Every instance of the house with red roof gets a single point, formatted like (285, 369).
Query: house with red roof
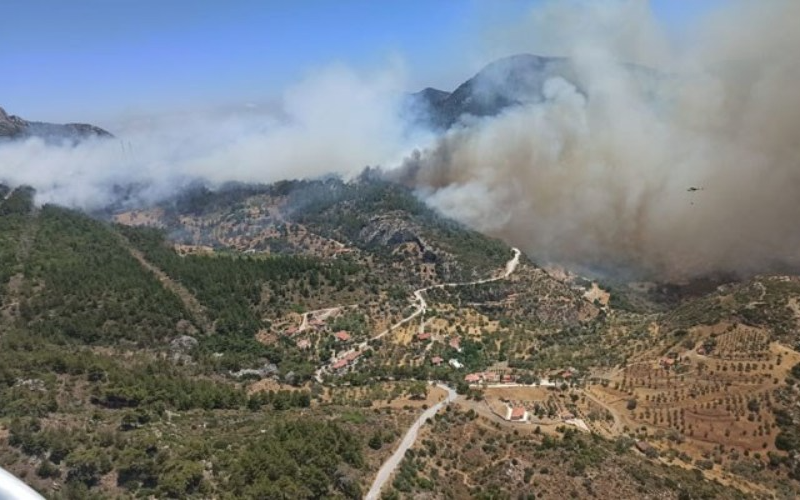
(423, 336)
(473, 378)
(518, 413)
(346, 360)
(436, 361)
(342, 336)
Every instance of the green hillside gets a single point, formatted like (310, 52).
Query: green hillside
(268, 342)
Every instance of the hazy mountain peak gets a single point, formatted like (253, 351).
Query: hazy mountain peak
(10, 125)
(14, 127)
(502, 83)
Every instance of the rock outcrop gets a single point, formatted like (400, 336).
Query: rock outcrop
(13, 127)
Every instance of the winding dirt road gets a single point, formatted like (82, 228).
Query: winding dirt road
(320, 314)
(619, 422)
(420, 307)
(389, 466)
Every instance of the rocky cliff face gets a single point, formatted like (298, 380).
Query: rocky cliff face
(504, 83)
(511, 81)
(14, 127)
(10, 125)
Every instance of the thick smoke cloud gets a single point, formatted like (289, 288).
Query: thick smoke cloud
(597, 175)
(334, 121)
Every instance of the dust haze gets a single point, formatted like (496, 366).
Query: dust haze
(602, 177)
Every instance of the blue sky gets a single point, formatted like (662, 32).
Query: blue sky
(91, 59)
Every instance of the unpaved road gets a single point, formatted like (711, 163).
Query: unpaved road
(421, 306)
(389, 466)
(392, 462)
(320, 314)
(619, 423)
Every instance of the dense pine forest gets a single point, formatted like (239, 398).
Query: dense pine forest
(85, 370)
(268, 342)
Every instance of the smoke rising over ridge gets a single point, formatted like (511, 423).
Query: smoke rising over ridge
(334, 121)
(592, 171)
(596, 173)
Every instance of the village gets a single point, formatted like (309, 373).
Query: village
(510, 396)
(679, 399)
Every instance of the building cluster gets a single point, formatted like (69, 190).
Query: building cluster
(346, 360)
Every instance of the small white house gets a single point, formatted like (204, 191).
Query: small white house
(456, 363)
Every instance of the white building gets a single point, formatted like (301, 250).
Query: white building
(456, 363)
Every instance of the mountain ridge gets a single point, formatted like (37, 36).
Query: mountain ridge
(208, 336)
(502, 83)
(14, 127)
(211, 315)
(510, 81)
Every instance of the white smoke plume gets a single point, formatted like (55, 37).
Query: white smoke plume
(594, 175)
(599, 176)
(334, 121)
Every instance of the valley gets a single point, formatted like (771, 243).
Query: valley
(400, 250)
(330, 321)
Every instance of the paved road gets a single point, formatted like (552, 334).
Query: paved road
(12, 488)
(421, 305)
(391, 464)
